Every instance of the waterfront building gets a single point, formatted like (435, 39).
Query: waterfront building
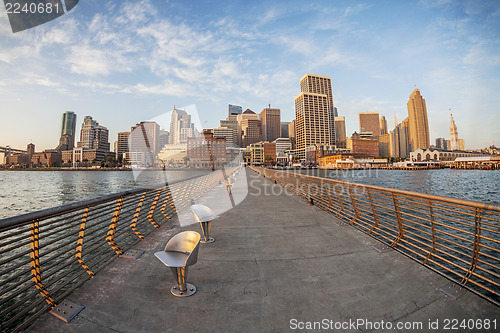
(383, 126)
(314, 113)
(249, 127)
(282, 145)
(172, 154)
(418, 122)
(291, 133)
(68, 127)
(163, 139)
(143, 143)
(257, 153)
(206, 151)
(234, 110)
(369, 122)
(361, 146)
(384, 144)
(440, 155)
(461, 144)
(122, 148)
(399, 140)
(269, 152)
(340, 133)
(181, 127)
(453, 134)
(284, 129)
(271, 124)
(441, 143)
(226, 133)
(231, 122)
(66, 142)
(93, 135)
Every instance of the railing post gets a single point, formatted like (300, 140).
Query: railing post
(79, 243)
(110, 237)
(341, 202)
(433, 230)
(401, 232)
(133, 224)
(374, 211)
(354, 206)
(152, 209)
(477, 246)
(35, 264)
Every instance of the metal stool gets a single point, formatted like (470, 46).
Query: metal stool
(205, 216)
(181, 252)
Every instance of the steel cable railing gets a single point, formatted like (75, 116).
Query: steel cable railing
(45, 255)
(459, 239)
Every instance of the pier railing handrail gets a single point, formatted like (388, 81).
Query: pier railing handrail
(9, 222)
(47, 254)
(464, 202)
(459, 239)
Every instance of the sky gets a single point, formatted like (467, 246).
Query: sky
(123, 62)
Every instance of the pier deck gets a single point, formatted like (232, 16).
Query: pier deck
(274, 259)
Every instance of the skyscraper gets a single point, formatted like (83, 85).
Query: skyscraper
(181, 127)
(122, 146)
(93, 135)
(453, 134)
(249, 127)
(318, 84)
(271, 124)
(383, 125)
(369, 122)
(68, 126)
(340, 133)
(441, 143)
(284, 129)
(234, 109)
(314, 113)
(418, 123)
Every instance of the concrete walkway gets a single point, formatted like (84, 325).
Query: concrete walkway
(276, 264)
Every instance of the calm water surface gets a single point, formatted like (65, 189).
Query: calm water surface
(27, 191)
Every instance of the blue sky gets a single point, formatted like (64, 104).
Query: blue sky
(126, 61)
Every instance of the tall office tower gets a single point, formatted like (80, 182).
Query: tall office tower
(383, 125)
(441, 143)
(318, 84)
(340, 133)
(291, 133)
(453, 135)
(418, 123)
(93, 135)
(399, 140)
(122, 145)
(271, 124)
(249, 128)
(145, 136)
(181, 127)
(68, 126)
(284, 129)
(314, 114)
(383, 145)
(234, 109)
(231, 122)
(369, 122)
(335, 112)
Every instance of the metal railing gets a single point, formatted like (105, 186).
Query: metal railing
(45, 255)
(459, 239)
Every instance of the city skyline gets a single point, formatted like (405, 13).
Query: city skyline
(94, 61)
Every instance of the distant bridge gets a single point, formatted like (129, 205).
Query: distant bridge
(9, 151)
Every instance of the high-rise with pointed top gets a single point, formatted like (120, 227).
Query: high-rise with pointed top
(417, 121)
